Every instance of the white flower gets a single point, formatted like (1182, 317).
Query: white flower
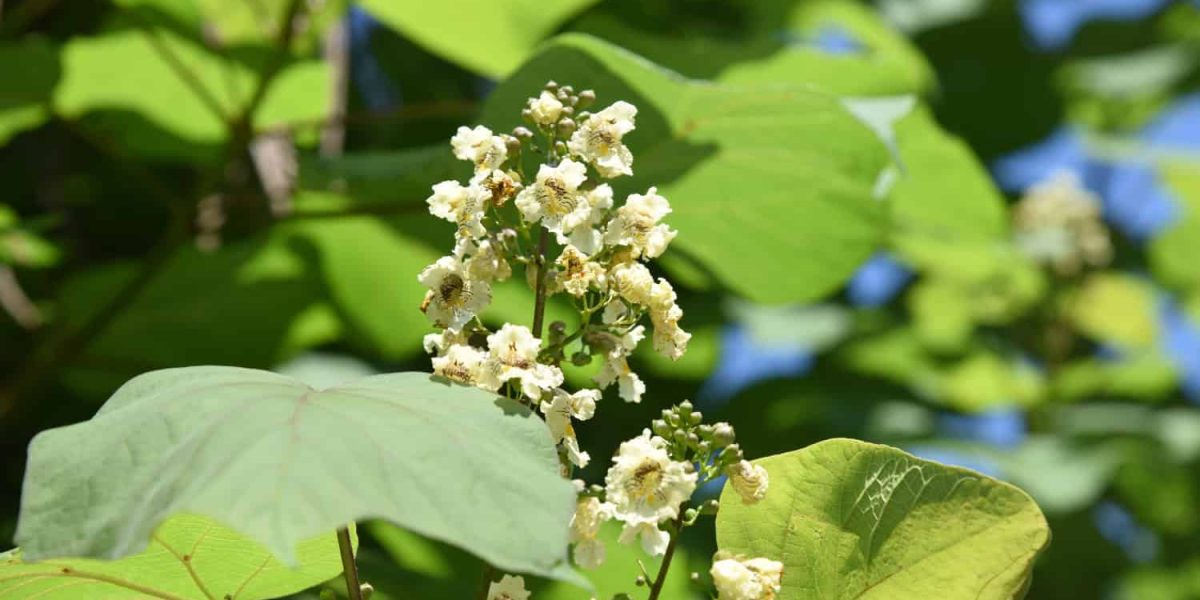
(545, 109)
(460, 363)
(577, 457)
(479, 146)
(485, 263)
(501, 185)
(460, 205)
(637, 225)
(454, 297)
(508, 588)
(586, 234)
(513, 354)
(654, 540)
(632, 281)
(437, 343)
(598, 140)
(590, 514)
(670, 340)
(616, 368)
(644, 485)
(578, 273)
(754, 579)
(555, 199)
(581, 405)
(749, 480)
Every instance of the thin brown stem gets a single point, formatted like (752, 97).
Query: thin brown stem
(539, 305)
(349, 566)
(661, 579)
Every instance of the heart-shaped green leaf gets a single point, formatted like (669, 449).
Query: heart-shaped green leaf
(772, 186)
(280, 462)
(850, 519)
(189, 558)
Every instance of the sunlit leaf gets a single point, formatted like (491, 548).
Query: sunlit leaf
(855, 520)
(490, 37)
(188, 557)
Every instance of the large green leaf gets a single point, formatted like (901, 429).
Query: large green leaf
(943, 191)
(129, 71)
(850, 519)
(490, 37)
(280, 462)
(779, 46)
(771, 186)
(189, 558)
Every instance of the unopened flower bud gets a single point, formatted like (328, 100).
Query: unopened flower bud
(512, 144)
(568, 111)
(551, 86)
(695, 418)
(566, 127)
(723, 434)
(581, 359)
(586, 99)
(640, 581)
(522, 133)
(685, 407)
(660, 427)
(710, 508)
(527, 115)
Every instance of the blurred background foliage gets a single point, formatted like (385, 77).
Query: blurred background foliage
(243, 181)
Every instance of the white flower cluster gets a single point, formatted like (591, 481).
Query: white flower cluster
(1058, 223)
(563, 227)
(752, 579)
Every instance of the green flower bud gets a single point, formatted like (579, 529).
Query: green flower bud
(581, 359)
(694, 419)
(722, 434)
(586, 99)
(566, 127)
(660, 428)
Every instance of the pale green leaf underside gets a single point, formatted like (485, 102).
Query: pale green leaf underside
(771, 186)
(189, 558)
(281, 462)
(855, 520)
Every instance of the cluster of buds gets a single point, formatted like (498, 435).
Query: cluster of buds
(561, 224)
(1058, 223)
(653, 477)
